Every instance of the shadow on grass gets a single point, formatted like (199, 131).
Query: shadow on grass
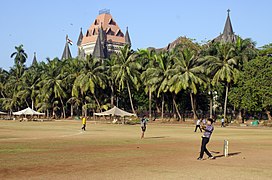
(156, 137)
(229, 155)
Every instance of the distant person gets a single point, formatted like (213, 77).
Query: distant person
(198, 125)
(222, 122)
(205, 139)
(143, 125)
(84, 119)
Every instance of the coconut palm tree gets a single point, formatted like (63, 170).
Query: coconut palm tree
(147, 57)
(91, 77)
(52, 83)
(223, 67)
(186, 73)
(19, 59)
(126, 71)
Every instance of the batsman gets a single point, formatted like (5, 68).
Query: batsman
(208, 130)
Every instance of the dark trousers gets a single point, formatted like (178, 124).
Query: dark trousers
(198, 126)
(84, 127)
(222, 124)
(205, 141)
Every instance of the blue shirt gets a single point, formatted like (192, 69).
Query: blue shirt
(208, 131)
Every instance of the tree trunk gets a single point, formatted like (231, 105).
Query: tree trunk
(193, 105)
(63, 108)
(112, 96)
(130, 98)
(239, 117)
(268, 115)
(226, 100)
(211, 105)
(96, 100)
(150, 101)
(162, 111)
(32, 104)
(72, 110)
(176, 107)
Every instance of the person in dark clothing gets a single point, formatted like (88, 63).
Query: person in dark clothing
(208, 130)
(143, 125)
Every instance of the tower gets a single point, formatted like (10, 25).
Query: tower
(228, 33)
(103, 37)
(66, 53)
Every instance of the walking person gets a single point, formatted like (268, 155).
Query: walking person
(198, 125)
(143, 125)
(205, 139)
(222, 122)
(84, 119)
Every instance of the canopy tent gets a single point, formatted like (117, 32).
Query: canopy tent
(115, 111)
(2, 113)
(28, 111)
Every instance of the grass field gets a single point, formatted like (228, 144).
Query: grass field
(59, 150)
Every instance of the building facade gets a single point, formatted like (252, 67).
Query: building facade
(102, 38)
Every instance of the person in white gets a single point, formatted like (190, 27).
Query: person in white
(198, 122)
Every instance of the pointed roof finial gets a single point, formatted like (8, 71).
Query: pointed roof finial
(34, 59)
(80, 37)
(127, 38)
(66, 53)
(228, 11)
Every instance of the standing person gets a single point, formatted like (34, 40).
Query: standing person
(84, 119)
(143, 125)
(222, 122)
(206, 138)
(198, 125)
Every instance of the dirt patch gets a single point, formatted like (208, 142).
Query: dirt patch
(116, 152)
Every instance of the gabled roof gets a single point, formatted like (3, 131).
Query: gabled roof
(127, 38)
(80, 37)
(104, 21)
(228, 33)
(66, 52)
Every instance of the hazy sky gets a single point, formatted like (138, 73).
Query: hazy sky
(41, 26)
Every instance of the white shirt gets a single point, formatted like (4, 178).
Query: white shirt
(198, 122)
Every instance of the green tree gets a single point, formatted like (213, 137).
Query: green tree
(186, 73)
(254, 90)
(222, 67)
(126, 71)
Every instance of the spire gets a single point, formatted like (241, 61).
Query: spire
(127, 38)
(66, 53)
(80, 37)
(98, 48)
(228, 33)
(34, 62)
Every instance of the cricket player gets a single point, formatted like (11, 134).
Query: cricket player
(208, 130)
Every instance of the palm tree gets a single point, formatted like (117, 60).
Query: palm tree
(52, 83)
(126, 70)
(222, 67)
(159, 76)
(19, 59)
(91, 77)
(186, 73)
(147, 58)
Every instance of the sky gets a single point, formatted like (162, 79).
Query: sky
(41, 26)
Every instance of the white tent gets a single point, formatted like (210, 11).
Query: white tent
(28, 111)
(115, 111)
(2, 113)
